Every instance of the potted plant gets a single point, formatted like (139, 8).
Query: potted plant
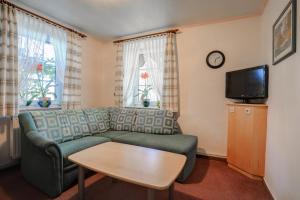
(26, 97)
(27, 93)
(44, 82)
(145, 92)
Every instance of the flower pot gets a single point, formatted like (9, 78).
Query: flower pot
(44, 102)
(146, 103)
(28, 102)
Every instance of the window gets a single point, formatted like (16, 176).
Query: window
(143, 62)
(145, 87)
(39, 79)
(42, 59)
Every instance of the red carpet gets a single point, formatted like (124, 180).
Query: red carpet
(211, 180)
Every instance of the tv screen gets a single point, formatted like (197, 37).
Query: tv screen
(250, 83)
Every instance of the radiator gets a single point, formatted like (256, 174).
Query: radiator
(15, 139)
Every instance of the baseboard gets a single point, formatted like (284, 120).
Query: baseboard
(211, 157)
(254, 177)
(266, 184)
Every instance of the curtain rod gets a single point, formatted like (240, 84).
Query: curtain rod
(42, 18)
(148, 35)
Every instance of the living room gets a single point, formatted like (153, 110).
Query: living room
(240, 34)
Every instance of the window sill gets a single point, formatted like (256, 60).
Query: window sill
(142, 107)
(35, 108)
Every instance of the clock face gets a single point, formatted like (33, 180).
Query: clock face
(215, 59)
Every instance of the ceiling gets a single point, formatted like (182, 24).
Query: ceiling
(116, 18)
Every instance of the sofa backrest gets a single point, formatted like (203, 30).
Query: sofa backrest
(153, 121)
(61, 125)
(65, 125)
(122, 119)
(97, 119)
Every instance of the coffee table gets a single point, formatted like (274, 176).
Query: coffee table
(150, 168)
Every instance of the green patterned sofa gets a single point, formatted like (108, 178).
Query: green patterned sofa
(49, 137)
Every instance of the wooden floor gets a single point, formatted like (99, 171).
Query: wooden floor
(210, 180)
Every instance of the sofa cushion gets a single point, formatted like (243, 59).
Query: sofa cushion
(54, 125)
(182, 144)
(122, 119)
(155, 121)
(97, 119)
(112, 134)
(78, 123)
(173, 143)
(68, 148)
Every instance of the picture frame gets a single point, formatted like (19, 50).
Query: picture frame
(284, 33)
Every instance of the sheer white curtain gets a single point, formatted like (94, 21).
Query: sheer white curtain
(130, 66)
(154, 52)
(33, 33)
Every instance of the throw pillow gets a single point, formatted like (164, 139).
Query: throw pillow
(155, 121)
(122, 119)
(97, 119)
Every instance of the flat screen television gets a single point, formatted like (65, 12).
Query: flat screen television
(247, 84)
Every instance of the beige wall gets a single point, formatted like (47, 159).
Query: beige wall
(202, 90)
(91, 62)
(282, 155)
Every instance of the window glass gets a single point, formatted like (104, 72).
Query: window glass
(146, 88)
(39, 70)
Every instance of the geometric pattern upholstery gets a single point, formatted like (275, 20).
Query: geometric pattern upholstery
(97, 119)
(122, 119)
(61, 125)
(78, 123)
(54, 125)
(64, 125)
(155, 121)
(113, 115)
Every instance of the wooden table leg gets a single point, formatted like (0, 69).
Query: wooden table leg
(171, 192)
(150, 194)
(81, 182)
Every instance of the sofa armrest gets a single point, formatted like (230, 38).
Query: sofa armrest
(43, 144)
(42, 163)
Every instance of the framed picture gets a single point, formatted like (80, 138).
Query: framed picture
(284, 33)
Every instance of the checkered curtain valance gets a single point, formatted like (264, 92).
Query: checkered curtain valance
(119, 75)
(8, 61)
(170, 94)
(72, 80)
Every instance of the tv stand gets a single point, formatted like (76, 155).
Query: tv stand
(251, 101)
(246, 101)
(247, 128)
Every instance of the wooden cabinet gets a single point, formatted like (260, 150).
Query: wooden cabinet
(247, 127)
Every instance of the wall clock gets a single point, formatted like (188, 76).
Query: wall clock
(215, 59)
